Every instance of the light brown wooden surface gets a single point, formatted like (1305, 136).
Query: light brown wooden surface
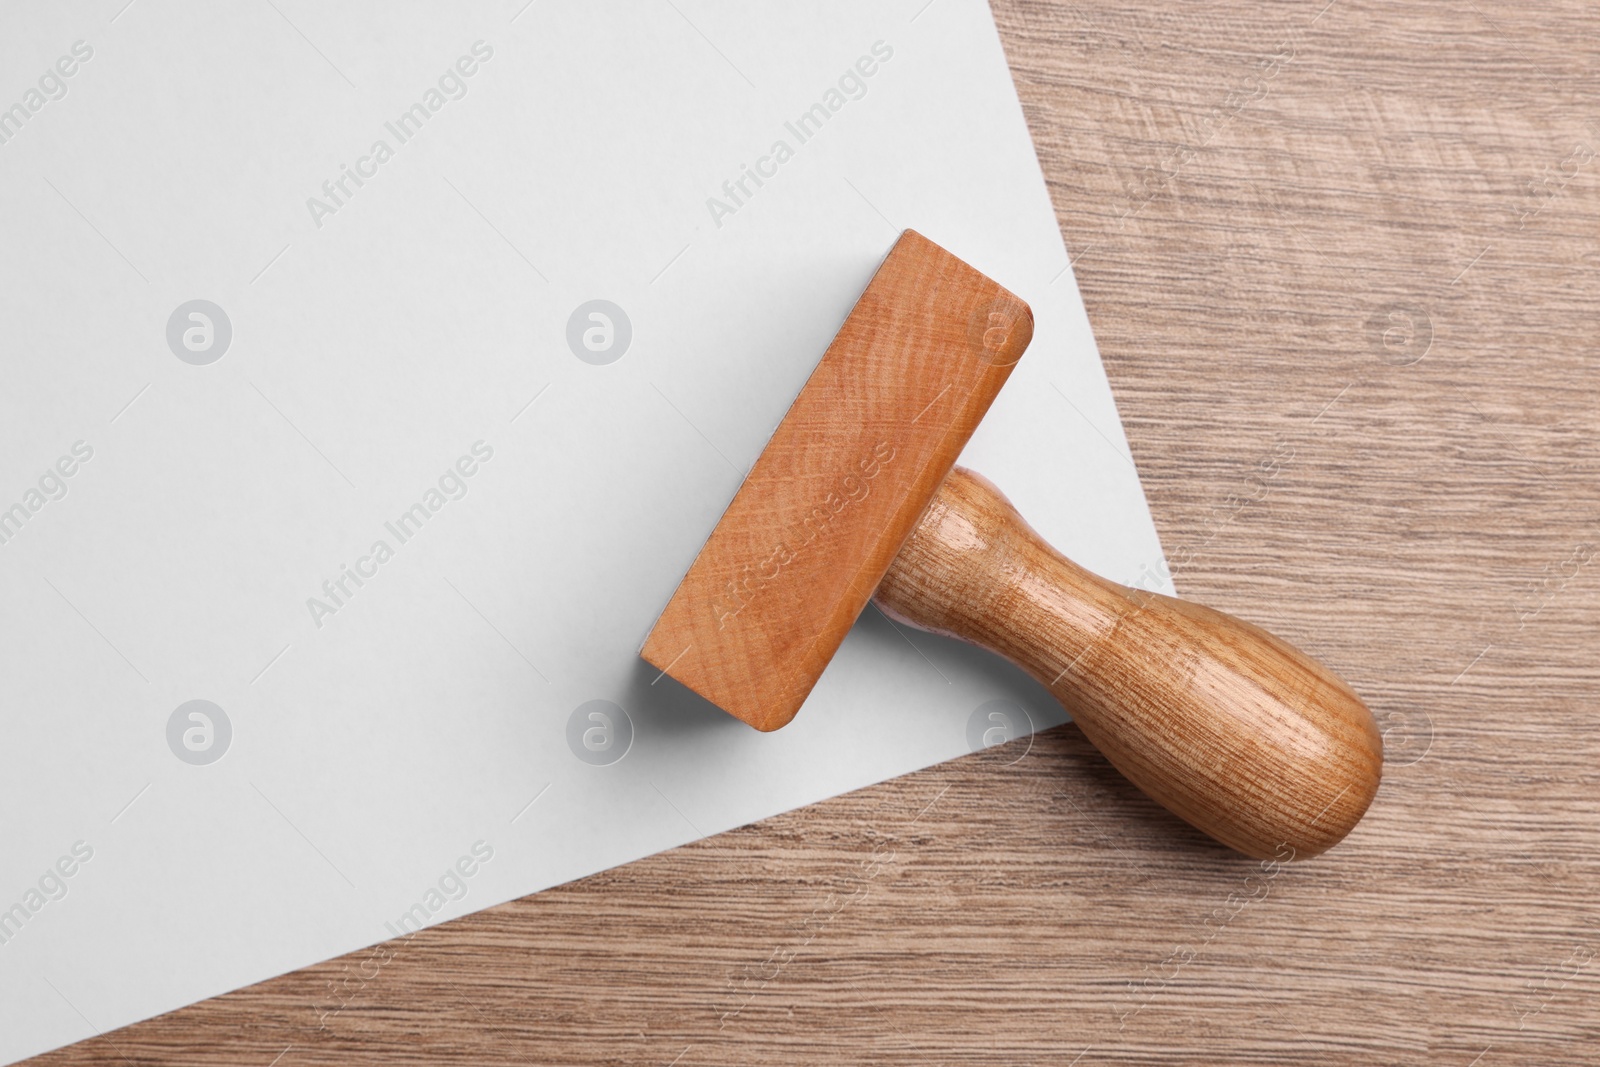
(1345, 273)
(836, 491)
(1225, 725)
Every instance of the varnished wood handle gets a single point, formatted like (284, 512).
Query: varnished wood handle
(1230, 728)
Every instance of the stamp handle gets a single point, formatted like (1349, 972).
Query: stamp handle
(1230, 728)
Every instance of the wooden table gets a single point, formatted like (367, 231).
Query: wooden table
(1344, 266)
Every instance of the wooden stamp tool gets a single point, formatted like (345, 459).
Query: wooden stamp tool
(856, 496)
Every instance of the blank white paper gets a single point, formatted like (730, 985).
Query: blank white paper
(373, 373)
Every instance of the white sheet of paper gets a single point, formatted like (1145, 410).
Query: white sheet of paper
(421, 744)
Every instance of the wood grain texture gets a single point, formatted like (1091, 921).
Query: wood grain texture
(836, 491)
(1343, 263)
(1223, 724)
